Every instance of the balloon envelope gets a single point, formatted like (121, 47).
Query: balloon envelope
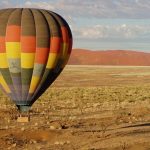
(35, 45)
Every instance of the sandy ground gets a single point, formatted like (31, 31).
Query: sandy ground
(87, 108)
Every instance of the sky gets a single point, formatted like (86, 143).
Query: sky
(100, 24)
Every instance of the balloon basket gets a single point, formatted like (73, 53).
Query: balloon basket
(24, 115)
(23, 118)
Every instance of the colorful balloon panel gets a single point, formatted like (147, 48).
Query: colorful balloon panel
(35, 46)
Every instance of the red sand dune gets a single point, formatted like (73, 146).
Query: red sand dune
(109, 57)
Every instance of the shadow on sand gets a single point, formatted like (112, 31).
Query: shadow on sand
(138, 125)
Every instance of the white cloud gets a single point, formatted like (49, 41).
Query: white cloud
(122, 31)
(6, 4)
(42, 4)
(28, 3)
(90, 8)
(105, 8)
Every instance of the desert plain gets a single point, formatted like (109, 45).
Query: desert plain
(86, 108)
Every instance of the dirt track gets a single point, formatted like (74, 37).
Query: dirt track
(101, 115)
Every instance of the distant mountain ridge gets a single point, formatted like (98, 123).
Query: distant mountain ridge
(109, 57)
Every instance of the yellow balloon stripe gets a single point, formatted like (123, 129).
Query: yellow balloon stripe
(13, 49)
(4, 84)
(64, 49)
(34, 82)
(52, 59)
(3, 62)
(27, 60)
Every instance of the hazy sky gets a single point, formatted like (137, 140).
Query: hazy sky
(100, 24)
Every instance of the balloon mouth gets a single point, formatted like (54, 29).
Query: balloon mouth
(23, 108)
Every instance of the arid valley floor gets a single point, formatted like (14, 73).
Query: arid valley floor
(87, 108)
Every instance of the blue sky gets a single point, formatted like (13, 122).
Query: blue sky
(100, 24)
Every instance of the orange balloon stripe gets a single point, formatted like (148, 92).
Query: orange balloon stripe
(55, 43)
(13, 33)
(41, 55)
(28, 44)
(2, 45)
(65, 35)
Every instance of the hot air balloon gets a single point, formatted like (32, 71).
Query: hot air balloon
(35, 45)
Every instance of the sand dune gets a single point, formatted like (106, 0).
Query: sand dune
(109, 57)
